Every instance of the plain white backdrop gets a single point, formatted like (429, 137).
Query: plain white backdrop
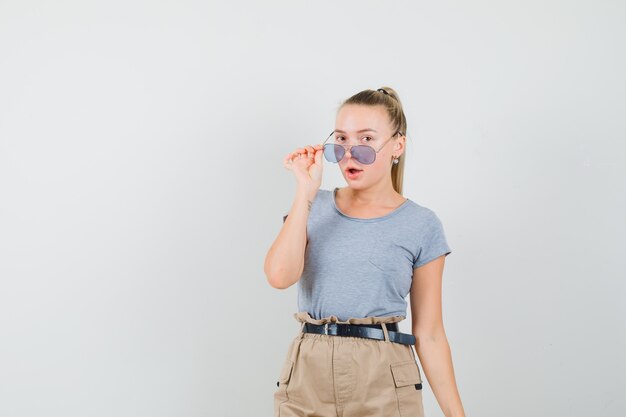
(141, 185)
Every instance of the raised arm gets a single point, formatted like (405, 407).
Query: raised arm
(284, 261)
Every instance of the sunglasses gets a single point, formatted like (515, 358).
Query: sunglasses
(364, 154)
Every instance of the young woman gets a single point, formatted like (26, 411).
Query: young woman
(356, 253)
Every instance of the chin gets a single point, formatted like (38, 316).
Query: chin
(357, 185)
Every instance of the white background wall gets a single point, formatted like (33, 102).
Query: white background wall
(141, 185)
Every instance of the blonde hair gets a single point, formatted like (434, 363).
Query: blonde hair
(388, 98)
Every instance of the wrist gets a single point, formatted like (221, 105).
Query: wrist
(306, 194)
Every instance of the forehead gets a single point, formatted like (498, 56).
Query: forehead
(352, 118)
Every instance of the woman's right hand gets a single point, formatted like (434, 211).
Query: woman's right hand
(306, 164)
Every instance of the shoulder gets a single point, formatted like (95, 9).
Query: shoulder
(422, 215)
(320, 202)
(322, 194)
(317, 205)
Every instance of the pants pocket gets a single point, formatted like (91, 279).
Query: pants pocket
(280, 394)
(408, 385)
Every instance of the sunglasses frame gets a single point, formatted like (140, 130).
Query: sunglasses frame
(349, 148)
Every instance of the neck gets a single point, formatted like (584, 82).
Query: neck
(383, 195)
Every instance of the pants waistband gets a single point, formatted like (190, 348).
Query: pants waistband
(305, 317)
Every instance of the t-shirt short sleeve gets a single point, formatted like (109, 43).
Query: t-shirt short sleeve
(433, 242)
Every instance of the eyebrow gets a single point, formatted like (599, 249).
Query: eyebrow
(358, 131)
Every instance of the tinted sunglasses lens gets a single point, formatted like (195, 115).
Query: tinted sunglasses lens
(363, 153)
(333, 153)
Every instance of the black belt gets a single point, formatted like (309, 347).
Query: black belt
(369, 331)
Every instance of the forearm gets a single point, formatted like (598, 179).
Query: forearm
(284, 261)
(435, 356)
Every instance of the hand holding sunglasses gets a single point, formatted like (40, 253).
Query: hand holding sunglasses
(306, 164)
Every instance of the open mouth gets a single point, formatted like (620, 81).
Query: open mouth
(353, 173)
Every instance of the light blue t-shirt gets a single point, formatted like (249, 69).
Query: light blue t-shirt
(357, 268)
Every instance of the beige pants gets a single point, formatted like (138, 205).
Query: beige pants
(344, 376)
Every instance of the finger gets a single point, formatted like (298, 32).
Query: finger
(292, 157)
(318, 157)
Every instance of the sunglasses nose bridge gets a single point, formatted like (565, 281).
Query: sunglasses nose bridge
(347, 150)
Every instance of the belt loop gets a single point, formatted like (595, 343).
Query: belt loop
(302, 330)
(384, 326)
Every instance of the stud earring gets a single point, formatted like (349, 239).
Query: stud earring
(395, 160)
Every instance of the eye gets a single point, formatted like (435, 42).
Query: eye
(368, 137)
